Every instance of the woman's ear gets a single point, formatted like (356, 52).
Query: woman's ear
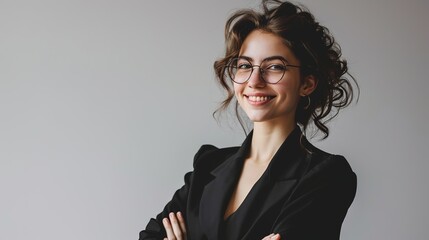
(308, 85)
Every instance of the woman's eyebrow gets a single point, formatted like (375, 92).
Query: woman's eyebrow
(246, 57)
(277, 57)
(268, 58)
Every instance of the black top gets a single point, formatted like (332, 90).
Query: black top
(229, 225)
(303, 194)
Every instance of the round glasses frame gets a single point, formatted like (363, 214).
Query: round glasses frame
(231, 67)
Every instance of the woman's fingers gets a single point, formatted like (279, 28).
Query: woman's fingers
(272, 236)
(175, 226)
(181, 222)
(168, 229)
(268, 237)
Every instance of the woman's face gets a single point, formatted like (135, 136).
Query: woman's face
(262, 101)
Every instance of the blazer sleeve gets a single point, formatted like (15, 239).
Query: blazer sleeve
(319, 203)
(155, 229)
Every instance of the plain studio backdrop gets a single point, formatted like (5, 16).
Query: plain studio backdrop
(103, 105)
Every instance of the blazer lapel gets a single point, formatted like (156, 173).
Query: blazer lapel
(216, 193)
(281, 177)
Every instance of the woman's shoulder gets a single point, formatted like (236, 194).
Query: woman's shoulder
(209, 157)
(320, 158)
(327, 163)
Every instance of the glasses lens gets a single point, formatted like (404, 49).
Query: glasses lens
(273, 70)
(239, 70)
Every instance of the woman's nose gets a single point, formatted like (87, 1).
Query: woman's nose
(256, 80)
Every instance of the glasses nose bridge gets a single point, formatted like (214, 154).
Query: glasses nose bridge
(256, 66)
(261, 71)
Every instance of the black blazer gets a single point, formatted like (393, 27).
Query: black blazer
(303, 194)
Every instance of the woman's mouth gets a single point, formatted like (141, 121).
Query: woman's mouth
(258, 100)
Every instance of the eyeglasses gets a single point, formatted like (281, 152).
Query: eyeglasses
(272, 70)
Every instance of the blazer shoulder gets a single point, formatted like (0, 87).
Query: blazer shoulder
(209, 157)
(333, 171)
(331, 164)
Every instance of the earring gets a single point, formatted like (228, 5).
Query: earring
(308, 104)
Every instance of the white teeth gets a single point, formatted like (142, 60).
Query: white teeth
(259, 98)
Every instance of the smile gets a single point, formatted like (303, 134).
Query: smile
(258, 100)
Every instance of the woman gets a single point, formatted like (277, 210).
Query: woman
(286, 72)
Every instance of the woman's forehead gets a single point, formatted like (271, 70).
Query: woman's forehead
(260, 45)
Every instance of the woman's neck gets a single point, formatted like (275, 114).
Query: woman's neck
(267, 139)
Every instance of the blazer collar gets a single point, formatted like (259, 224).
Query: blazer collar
(236, 158)
(288, 158)
(217, 192)
(284, 162)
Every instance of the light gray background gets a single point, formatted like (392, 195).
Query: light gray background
(104, 103)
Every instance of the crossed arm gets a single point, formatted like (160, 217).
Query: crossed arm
(315, 211)
(175, 228)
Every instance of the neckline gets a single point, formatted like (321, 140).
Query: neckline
(242, 156)
(248, 195)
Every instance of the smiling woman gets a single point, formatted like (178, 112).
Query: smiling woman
(284, 70)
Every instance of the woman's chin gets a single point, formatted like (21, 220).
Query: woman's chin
(258, 119)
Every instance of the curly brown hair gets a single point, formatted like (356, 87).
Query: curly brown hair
(311, 43)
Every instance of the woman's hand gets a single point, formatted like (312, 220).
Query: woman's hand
(272, 236)
(175, 226)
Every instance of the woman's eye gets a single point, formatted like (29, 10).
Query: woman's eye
(244, 66)
(275, 67)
